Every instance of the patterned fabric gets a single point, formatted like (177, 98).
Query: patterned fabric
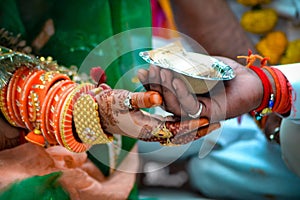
(78, 28)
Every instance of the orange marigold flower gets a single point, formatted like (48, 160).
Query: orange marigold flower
(292, 54)
(259, 21)
(253, 2)
(273, 45)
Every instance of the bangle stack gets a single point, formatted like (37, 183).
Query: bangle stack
(268, 98)
(54, 109)
(275, 99)
(284, 103)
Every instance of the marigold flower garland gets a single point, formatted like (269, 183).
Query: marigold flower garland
(274, 43)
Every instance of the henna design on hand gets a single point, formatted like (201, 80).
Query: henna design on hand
(105, 108)
(118, 118)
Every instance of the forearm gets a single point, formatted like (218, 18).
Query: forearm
(213, 25)
(9, 136)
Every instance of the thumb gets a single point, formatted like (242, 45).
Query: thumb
(145, 99)
(128, 100)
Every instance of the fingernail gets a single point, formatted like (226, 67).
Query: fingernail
(155, 99)
(141, 76)
(163, 76)
(174, 85)
(151, 73)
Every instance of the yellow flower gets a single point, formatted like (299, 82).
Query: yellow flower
(259, 21)
(253, 2)
(273, 46)
(292, 54)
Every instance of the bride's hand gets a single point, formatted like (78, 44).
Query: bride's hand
(120, 113)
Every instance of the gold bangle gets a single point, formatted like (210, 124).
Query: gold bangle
(67, 136)
(87, 121)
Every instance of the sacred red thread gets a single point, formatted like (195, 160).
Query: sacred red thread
(267, 88)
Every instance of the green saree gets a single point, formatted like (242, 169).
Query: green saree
(80, 26)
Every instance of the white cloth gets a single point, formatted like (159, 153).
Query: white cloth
(249, 167)
(242, 165)
(290, 127)
(289, 13)
(291, 72)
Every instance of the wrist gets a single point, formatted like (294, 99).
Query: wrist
(267, 100)
(10, 136)
(270, 74)
(38, 97)
(258, 92)
(276, 94)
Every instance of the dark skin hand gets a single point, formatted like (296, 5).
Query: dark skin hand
(226, 100)
(273, 122)
(116, 118)
(9, 135)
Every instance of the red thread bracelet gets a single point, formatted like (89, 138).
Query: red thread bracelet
(285, 103)
(267, 88)
(277, 86)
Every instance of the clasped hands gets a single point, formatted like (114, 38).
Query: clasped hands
(226, 100)
(121, 113)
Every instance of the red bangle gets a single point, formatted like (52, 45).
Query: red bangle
(56, 109)
(3, 105)
(66, 118)
(42, 102)
(38, 93)
(277, 86)
(54, 96)
(31, 80)
(285, 103)
(267, 88)
(11, 97)
(19, 90)
(46, 110)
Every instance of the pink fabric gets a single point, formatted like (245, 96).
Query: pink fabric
(158, 15)
(81, 178)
